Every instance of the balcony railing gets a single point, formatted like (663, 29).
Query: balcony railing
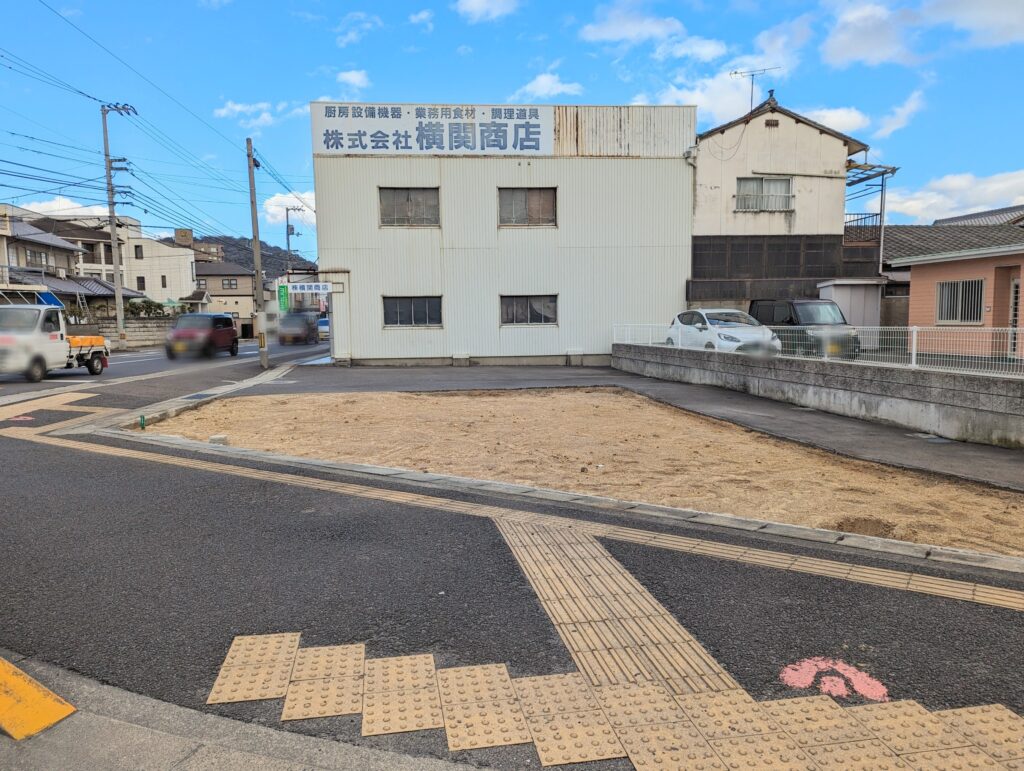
(862, 228)
(764, 202)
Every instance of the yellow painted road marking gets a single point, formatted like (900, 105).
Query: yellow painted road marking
(26, 707)
(57, 402)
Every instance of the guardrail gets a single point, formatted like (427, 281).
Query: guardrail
(975, 350)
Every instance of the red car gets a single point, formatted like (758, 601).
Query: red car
(203, 334)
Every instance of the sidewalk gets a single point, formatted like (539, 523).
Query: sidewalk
(117, 729)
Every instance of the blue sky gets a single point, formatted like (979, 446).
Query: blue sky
(932, 85)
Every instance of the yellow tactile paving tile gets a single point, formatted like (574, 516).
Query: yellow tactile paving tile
(669, 747)
(462, 685)
(392, 712)
(870, 755)
(574, 737)
(907, 727)
(26, 706)
(956, 759)
(636, 704)
(399, 673)
(329, 661)
(262, 649)
(771, 752)
(555, 694)
(815, 720)
(478, 724)
(993, 728)
(251, 682)
(326, 697)
(727, 714)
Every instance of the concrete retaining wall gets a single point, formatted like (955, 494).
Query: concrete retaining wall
(970, 408)
(141, 332)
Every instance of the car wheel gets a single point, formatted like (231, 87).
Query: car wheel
(171, 354)
(709, 346)
(36, 371)
(234, 348)
(95, 364)
(209, 351)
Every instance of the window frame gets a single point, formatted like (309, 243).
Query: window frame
(200, 283)
(229, 283)
(553, 224)
(380, 207)
(762, 196)
(959, 322)
(527, 297)
(163, 282)
(413, 325)
(138, 251)
(140, 283)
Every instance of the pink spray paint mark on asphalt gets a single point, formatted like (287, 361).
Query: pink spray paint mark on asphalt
(21, 417)
(836, 679)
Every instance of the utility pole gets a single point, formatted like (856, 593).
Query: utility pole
(261, 319)
(115, 253)
(289, 231)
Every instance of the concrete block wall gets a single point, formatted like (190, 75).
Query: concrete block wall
(141, 333)
(970, 408)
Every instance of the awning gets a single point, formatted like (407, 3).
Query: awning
(49, 298)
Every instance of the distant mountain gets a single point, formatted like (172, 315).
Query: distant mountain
(274, 259)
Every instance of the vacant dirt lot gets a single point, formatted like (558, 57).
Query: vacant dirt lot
(615, 443)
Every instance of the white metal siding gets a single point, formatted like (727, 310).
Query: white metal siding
(636, 131)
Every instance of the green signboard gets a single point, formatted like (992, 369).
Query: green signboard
(282, 298)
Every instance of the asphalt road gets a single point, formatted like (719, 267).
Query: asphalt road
(139, 574)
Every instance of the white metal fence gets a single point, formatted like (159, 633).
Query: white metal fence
(984, 350)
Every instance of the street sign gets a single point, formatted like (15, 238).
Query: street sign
(309, 287)
(282, 297)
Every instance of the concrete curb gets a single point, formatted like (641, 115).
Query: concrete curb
(938, 554)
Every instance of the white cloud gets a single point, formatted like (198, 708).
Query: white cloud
(232, 109)
(623, 22)
(61, 205)
(354, 27)
(640, 98)
(213, 4)
(356, 79)
(259, 121)
(870, 33)
(485, 10)
(900, 115)
(690, 47)
(274, 208)
(464, 50)
(720, 97)
(545, 86)
(843, 119)
(957, 194)
(424, 18)
(990, 22)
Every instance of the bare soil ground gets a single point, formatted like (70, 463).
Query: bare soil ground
(607, 441)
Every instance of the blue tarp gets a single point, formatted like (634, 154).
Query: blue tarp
(49, 298)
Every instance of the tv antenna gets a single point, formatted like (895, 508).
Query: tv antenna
(752, 74)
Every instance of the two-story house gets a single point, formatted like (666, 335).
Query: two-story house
(232, 289)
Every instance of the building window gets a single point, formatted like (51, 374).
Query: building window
(526, 206)
(163, 282)
(960, 302)
(405, 206)
(229, 283)
(412, 311)
(764, 194)
(201, 283)
(138, 251)
(37, 259)
(529, 309)
(140, 283)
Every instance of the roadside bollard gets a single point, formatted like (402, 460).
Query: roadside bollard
(142, 422)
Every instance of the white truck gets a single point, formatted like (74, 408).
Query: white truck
(34, 339)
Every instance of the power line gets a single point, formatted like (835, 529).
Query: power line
(29, 70)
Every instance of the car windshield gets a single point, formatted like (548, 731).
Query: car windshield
(294, 321)
(732, 319)
(819, 313)
(18, 319)
(193, 322)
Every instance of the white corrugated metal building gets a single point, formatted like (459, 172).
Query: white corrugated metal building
(493, 234)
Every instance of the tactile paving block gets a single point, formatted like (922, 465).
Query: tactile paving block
(870, 755)
(461, 685)
(726, 714)
(993, 728)
(400, 673)
(765, 751)
(251, 649)
(329, 661)
(814, 720)
(555, 694)
(574, 737)
(485, 724)
(251, 683)
(638, 704)
(906, 726)
(956, 759)
(668, 747)
(392, 712)
(323, 698)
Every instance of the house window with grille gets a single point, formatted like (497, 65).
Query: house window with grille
(960, 302)
(764, 194)
(526, 206)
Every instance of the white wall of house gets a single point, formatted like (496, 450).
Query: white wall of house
(619, 252)
(167, 271)
(814, 160)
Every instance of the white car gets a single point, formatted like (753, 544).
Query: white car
(722, 329)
